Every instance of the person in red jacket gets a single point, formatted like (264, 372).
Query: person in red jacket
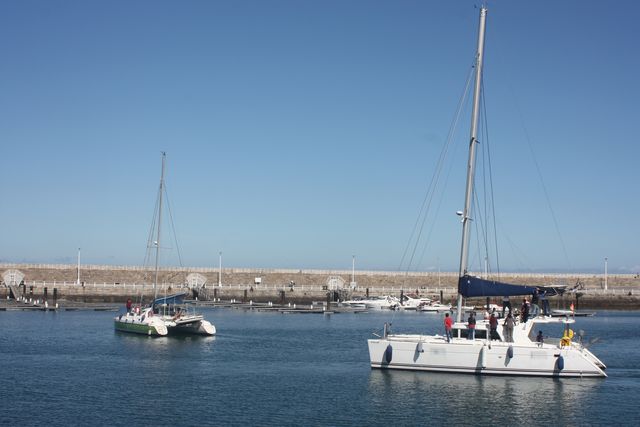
(448, 324)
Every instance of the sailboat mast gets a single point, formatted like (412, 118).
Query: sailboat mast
(155, 281)
(466, 213)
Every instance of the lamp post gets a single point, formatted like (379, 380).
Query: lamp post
(219, 268)
(605, 273)
(353, 269)
(78, 283)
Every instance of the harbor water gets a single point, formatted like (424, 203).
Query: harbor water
(72, 368)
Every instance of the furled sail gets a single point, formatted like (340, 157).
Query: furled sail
(469, 286)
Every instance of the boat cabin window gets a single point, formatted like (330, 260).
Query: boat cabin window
(552, 333)
(481, 334)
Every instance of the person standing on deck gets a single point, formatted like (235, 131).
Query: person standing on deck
(544, 301)
(448, 324)
(471, 325)
(506, 303)
(534, 303)
(493, 327)
(508, 324)
(129, 303)
(524, 310)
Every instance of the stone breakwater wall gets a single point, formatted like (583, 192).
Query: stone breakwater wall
(116, 283)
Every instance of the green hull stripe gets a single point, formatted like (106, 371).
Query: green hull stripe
(136, 328)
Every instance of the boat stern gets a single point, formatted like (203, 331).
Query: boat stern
(380, 353)
(207, 328)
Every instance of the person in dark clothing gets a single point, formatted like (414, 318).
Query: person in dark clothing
(540, 339)
(546, 310)
(506, 303)
(471, 325)
(534, 304)
(524, 310)
(493, 327)
(129, 303)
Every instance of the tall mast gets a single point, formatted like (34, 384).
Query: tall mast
(466, 214)
(155, 281)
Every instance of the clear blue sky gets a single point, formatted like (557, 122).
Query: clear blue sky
(300, 133)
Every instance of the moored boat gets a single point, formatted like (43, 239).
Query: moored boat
(435, 307)
(384, 302)
(572, 313)
(414, 302)
(374, 303)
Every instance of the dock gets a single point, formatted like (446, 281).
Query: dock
(12, 305)
(314, 308)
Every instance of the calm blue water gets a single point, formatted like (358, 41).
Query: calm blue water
(71, 368)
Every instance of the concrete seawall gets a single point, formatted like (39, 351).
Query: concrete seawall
(103, 283)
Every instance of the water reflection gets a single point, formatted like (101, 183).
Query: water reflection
(484, 399)
(161, 342)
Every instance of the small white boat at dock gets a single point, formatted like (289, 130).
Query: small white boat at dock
(435, 307)
(374, 303)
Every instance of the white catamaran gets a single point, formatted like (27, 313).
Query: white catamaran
(166, 315)
(500, 353)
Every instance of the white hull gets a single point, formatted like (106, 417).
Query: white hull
(478, 357)
(436, 308)
(355, 305)
(386, 302)
(413, 303)
(144, 323)
(189, 325)
(380, 306)
(523, 356)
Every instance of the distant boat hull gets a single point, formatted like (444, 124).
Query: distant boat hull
(386, 302)
(435, 308)
(354, 305)
(560, 313)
